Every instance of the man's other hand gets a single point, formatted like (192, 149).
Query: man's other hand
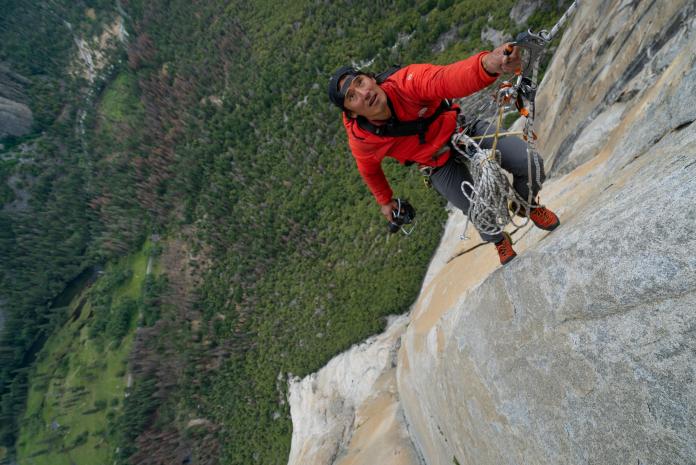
(387, 208)
(497, 62)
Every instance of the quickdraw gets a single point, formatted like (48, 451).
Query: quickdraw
(492, 201)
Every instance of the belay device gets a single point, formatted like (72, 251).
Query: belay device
(404, 213)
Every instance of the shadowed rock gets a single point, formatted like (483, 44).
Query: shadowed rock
(15, 116)
(523, 9)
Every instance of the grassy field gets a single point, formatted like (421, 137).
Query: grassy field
(78, 383)
(119, 102)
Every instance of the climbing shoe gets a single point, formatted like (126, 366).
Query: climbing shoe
(544, 218)
(505, 250)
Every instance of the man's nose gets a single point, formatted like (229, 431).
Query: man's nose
(362, 93)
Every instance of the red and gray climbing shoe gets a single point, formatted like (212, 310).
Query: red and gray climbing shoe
(544, 218)
(505, 250)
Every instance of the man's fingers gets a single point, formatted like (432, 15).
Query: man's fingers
(515, 55)
(386, 210)
(511, 58)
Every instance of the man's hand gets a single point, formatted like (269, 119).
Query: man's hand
(387, 208)
(498, 62)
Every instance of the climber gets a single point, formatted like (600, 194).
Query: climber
(404, 114)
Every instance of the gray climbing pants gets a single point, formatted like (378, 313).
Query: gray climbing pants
(447, 180)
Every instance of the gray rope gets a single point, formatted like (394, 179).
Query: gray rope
(559, 24)
(491, 191)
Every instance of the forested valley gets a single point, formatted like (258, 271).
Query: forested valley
(183, 227)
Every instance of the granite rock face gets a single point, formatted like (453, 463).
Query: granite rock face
(15, 115)
(349, 410)
(583, 349)
(611, 59)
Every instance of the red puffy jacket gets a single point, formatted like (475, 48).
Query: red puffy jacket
(415, 91)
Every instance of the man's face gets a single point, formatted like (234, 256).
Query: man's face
(365, 98)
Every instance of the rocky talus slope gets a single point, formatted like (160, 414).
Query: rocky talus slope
(581, 350)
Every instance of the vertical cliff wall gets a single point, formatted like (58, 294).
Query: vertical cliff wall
(582, 349)
(348, 413)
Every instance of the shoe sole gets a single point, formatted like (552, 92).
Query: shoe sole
(548, 228)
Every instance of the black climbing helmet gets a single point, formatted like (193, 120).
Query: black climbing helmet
(337, 95)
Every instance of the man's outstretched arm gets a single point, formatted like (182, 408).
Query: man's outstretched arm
(459, 79)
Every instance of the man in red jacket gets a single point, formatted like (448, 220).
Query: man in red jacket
(375, 115)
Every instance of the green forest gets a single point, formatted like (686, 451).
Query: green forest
(184, 229)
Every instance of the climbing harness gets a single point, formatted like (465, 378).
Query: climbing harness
(493, 202)
(396, 128)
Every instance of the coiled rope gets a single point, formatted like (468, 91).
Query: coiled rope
(491, 195)
(493, 202)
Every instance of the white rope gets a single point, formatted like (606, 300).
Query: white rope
(559, 24)
(491, 191)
